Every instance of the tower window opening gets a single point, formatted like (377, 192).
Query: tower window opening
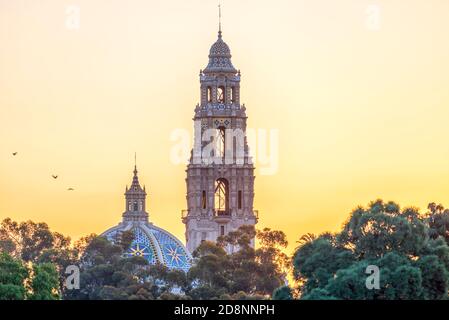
(136, 207)
(221, 94)
(204, 200)
(220, 140)
(240, 199)
(222, 197)
(209, 94)
(222, 230)
(233, 95)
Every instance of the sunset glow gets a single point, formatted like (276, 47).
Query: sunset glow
(361, 112)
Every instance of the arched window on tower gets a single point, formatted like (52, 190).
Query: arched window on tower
(209, 94)
(136, 207)
(221, 197)
(220, 140)
(233, 95)
(221, 95)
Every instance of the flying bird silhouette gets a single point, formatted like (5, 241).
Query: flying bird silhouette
(14, 153)
(54, 176)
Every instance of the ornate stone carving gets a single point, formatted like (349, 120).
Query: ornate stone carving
(219, 196)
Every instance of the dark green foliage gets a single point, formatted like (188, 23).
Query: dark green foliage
(18, 283)
(435, 277)
(246, 273)
(438, 220)
(45, 282)
(318, 294)
(34, 243)
(106, 274)
(12, 278)
(410, 251)
(319, 260)
(283, 293)
(383, 228)
(45, 252)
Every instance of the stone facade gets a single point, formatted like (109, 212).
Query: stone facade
(220, 183)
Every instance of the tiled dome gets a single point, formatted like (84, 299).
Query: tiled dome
(220, 58)
(155, 245)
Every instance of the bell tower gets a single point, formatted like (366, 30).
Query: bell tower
(220, 173)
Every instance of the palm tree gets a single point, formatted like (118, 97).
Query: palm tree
(308, 237)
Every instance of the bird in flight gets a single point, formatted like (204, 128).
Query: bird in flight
(70, 189)
(14, 153)
(55, 176)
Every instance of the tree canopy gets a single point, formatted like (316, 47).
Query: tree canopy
(409, 249)
(245, 273)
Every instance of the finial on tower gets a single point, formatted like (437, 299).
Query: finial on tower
(219, 20)
(135, 163)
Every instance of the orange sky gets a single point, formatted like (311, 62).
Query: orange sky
(361, 112)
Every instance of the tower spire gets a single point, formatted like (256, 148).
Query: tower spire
(135, 163)
(219, 20)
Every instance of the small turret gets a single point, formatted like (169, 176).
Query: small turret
(135, 201)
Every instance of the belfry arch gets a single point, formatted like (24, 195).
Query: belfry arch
(220, 142)
(221, 197)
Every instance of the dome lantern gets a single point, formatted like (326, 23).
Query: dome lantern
(156, 245)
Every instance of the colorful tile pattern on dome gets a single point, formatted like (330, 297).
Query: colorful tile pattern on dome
(142, 246)
(175, 255)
